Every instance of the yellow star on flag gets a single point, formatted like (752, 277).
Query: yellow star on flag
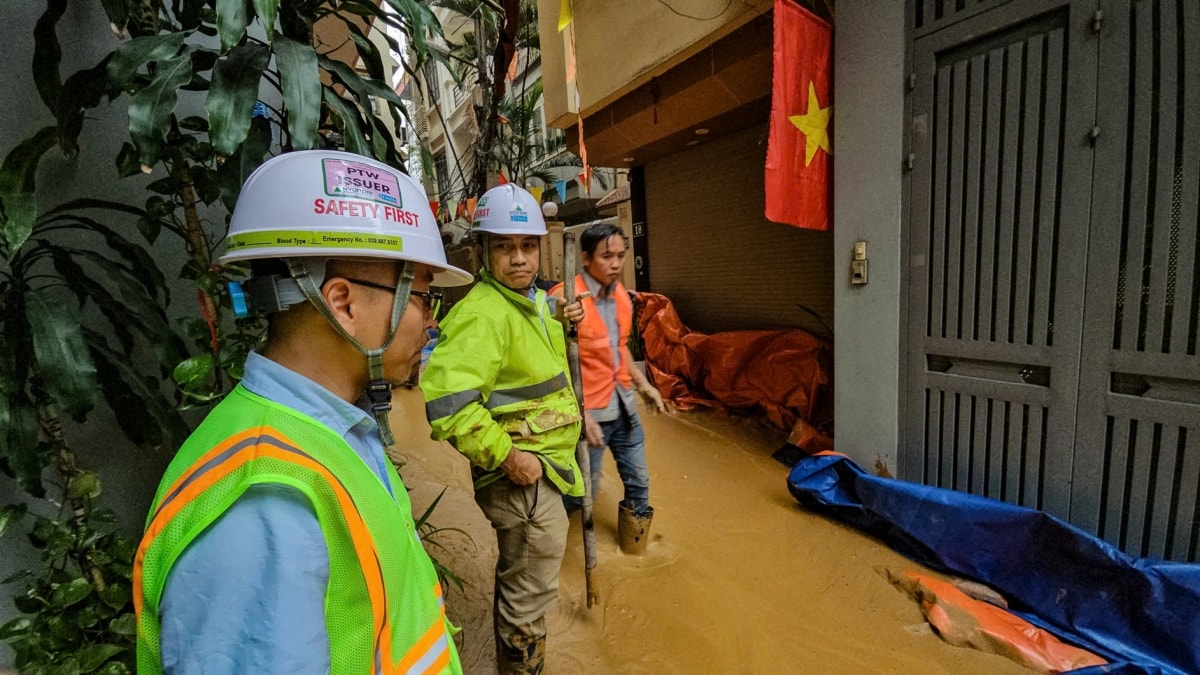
(814, 124)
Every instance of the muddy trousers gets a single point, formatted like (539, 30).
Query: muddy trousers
(625, 438)
(531, 534)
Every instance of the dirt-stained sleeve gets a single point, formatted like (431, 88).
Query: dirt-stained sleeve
(459, 378)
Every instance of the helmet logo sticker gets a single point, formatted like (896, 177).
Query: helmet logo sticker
(518, 215)
(355, 179)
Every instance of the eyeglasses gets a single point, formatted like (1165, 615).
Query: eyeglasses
(431, 300)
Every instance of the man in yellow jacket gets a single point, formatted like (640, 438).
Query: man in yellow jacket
(497, 387)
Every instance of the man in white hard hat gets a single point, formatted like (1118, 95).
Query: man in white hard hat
(497, 387)
(281, 539)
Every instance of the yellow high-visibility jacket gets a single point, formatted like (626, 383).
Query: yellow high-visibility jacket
(498, 378)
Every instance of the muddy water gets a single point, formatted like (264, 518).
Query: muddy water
(738, 578)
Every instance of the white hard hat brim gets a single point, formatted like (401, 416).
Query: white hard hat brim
(444, 275)
(524, 232)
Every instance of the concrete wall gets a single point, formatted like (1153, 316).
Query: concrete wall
(625, 44)
(868, 109)
(714, 253)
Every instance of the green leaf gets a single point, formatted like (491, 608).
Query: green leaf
(189, 13)
(89, 203)
(116, 596)
(267, 10)
(143, 414)
(126, 624)
(194, 373)
(131, 56)
(127, 161)
(71, 592)
(87, 617)
(11, 514)
(150, 228)
(368, 52)
(205, 182)
(118, 12)
(30, 603)
(17, 215)
(234, 171)
(384, 144)
(153, 321)
(81, 92)
(232, 17)
(93, 656)
(18, 626)
(421, 23)
(62, 357)
(58, 545)
(118, 314)
(20, 452)
(47, 54)
(84, 484)
(351, 129)
(230, 101)
(301, 82)
(361, 86)
(151, 107)
(194, 123)
(140, 265)
(113, 668)
(19, 170)
(164, 186)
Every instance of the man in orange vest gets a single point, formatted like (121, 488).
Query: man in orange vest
(610, 378)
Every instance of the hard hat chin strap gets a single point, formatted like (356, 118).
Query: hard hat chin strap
(379, 388)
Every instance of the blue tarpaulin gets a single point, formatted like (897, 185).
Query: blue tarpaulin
(1142, 614)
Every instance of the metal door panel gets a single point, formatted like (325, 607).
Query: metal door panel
(1139, 394)
(990, 397)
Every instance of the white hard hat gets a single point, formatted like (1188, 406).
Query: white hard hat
(333, 204)
(508, 209)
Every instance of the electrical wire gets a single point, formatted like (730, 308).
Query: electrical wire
(696, 18)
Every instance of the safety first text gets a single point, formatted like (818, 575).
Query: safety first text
(357, 209)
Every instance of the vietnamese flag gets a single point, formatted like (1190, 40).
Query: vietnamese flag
(799, 172)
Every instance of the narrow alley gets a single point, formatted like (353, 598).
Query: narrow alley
(738, 578)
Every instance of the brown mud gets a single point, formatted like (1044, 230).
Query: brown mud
(737, 578)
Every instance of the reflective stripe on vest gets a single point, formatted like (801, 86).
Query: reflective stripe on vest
(596, 359)
(430, 654)
(445, 406)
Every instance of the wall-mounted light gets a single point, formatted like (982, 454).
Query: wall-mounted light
(701, 131)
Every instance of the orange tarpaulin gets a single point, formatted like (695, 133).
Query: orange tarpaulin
(966, 622)
(786, 374)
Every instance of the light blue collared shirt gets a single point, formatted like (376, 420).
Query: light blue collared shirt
(248, 594)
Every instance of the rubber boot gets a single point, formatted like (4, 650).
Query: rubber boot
(633, 530)
(527, 660)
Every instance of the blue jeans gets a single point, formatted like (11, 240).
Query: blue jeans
(625, 438)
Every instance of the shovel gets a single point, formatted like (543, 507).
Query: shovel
(582, 456)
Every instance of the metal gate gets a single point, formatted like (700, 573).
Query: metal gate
(1052, 279)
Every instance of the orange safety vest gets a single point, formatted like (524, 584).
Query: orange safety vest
(595, 349)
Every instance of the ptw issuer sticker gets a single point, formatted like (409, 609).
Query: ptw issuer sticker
(354, 179)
